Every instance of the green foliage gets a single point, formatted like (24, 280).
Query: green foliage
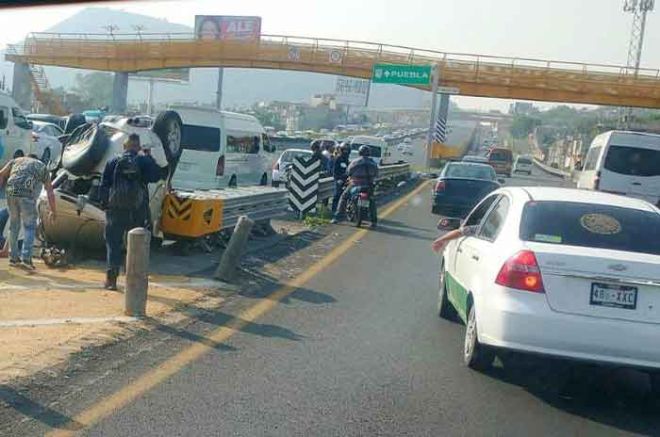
(94, 90)
(322, 217)
(523, 125)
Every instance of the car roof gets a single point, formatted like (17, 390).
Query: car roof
(297, 150)
(469, 164)
(579, 196)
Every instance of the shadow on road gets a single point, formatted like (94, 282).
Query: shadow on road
(616, 397)
(26, 406)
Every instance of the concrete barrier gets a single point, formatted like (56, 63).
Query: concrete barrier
(137, 272)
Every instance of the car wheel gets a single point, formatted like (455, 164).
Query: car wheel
(168, 127)
(85, 148)
(475, 355)
(276, 184)
(264, 180)
(445, 309)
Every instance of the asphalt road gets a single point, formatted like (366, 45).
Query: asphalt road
(369, 356)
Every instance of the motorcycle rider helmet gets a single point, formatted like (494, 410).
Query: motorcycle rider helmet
(364, 151)
(345, 146)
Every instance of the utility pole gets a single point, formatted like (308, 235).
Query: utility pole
(639, 9)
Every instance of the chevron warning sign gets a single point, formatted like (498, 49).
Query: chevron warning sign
(303, 184)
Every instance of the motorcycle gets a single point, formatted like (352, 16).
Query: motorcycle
(360, 205)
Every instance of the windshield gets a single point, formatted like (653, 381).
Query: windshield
(470, 172)
(526, 161)
(633, 161)
(500, 155)
(289, 155)
(591, 225)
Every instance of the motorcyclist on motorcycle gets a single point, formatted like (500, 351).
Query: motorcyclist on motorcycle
(339, 168)
(362, 172)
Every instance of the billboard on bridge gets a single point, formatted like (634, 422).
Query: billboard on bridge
(227, 27)
(350, 91)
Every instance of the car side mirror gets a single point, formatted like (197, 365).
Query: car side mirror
(448, 224)
(501, 180)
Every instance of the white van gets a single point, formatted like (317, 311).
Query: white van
(15, 131)
(380, 150)
(622, 162)
(221, 149)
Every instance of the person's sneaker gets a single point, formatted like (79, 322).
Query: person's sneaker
(14, 262)
(27, 265)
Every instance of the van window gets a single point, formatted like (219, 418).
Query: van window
(500, 155)
(4, 117)
(592, 158)
(633, 161)
(243, 144)
(526, 161)
(201, 138)
(19, 117)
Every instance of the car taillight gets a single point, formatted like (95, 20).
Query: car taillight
(220, 166)
(521, 272)
(440, 186)
(597, 181)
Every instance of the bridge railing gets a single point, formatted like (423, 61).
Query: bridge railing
(377, 50)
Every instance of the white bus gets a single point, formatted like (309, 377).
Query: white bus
(221, 149)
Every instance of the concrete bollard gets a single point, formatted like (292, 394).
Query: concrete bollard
(232, 254)
(137, 272)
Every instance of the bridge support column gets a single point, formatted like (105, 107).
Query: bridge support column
(119, 93)
(21, 89)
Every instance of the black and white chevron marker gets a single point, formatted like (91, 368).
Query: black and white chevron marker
(304, 184)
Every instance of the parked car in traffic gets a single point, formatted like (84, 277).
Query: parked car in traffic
(281, 166)
(501, 160)
(626, 163)
(15, 131)
(523, 164)
(57, 120)
(380, 150)
(460, 186)
(48, 146)
(563, 272)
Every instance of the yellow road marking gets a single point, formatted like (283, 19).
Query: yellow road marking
(150, 379)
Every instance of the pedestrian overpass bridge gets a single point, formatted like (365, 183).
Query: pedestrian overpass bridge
(473, 75)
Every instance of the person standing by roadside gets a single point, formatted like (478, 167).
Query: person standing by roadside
(26, 175)
(125, 197)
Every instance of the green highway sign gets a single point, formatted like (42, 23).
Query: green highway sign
(403, 74)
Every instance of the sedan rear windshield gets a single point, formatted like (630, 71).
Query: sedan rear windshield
(591, 225)
(633, 161)
(470, 172)
(524, 161)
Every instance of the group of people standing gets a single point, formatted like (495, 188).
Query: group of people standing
(348, 176)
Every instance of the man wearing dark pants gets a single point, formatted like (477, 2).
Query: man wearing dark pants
(125, 195)
(339, 167)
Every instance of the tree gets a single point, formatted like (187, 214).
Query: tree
(94, 89)
(522, 125)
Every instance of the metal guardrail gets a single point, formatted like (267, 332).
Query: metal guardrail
(388, 172)
(550, 170)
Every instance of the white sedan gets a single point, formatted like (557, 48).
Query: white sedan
(557, 271)
(48, 147)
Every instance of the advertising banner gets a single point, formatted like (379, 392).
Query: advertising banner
(351, 91)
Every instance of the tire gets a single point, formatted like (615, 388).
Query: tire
(276, 184)
(264, 180)
(476, 356)
(85, 149)
(169, 128)
(445, 309)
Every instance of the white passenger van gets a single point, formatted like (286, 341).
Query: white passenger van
(221, 149)
(15, 130)
(380, 150)
(623, 162)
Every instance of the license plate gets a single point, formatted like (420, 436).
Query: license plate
(614, 296)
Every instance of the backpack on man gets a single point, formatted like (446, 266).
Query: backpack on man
(127, 190)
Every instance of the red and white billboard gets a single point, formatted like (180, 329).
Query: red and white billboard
(227, 27)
